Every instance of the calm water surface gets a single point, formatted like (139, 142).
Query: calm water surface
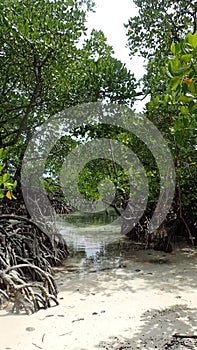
(96, 245)
(94, 242)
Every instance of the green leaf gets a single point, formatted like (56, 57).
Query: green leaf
(172, 48)
(6, 177)
(185, 98)
(186, 58)
(2, 153)
(2, 167)
(8, 185)
(2, 194)
(170, 69)
(174, 83)
(166, 98)
(192, 39)
(14, 184)
(184, 110)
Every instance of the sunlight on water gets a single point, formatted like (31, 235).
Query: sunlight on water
(94, 242)
(89, 234)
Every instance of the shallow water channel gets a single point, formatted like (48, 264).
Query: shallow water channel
(93, 241)
(95, 244)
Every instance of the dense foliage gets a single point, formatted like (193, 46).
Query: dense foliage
(48, 64)
(165, 35)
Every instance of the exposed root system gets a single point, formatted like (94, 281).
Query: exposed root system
(27, 255)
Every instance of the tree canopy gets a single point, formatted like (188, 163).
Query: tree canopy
(48, 63)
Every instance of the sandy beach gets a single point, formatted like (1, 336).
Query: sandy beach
(139, 305)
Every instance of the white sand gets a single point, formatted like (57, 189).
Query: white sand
(115, 307)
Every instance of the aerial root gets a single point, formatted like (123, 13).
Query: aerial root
(27, 256)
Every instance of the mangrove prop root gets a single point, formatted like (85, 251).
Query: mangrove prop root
(27, 256)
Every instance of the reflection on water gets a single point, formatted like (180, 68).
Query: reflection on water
(90, 219)
(94, 241)
(98, 247)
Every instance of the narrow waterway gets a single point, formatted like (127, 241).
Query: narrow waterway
(93, 241)
(96, 245)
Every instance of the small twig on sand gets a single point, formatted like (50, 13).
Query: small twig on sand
(177, 335)
(37, 346)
